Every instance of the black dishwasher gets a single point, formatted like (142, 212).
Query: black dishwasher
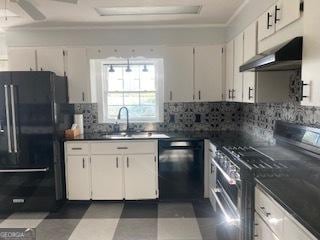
(181, 169)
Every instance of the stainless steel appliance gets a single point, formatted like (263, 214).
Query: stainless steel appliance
(181, 169)
(33, 116)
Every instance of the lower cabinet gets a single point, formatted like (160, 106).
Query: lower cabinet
(140, 172)
(112, 170)
(106, 177)
(78, 178)
(262, 231)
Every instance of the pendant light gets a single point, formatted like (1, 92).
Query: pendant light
(145, 69)
(111, 69)
(128, 67)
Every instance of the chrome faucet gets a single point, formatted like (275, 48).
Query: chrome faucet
(119, 117)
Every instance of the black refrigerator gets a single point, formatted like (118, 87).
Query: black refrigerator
(33, 116)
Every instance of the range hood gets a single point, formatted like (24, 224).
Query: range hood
(287, 56)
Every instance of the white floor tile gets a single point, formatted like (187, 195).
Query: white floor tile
(23, 220)
(95, 229)
(178, 229)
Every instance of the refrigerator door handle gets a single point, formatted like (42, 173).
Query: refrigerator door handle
(14, 129)
(24, 170)
(6, 94)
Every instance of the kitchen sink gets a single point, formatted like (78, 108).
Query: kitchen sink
(137, 135)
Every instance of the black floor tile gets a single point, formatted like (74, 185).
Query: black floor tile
(140, 210)
(71, 210)
(203, 209)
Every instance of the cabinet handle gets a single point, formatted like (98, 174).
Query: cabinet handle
(276, 10)
(249, 94)
(256, 235)
(117, 162)
(31, 69)
(199, 93)
(211, 168)
(122, 148)
(268, 20)
(83, 163)
(83, 97)
(229, 94)
(76, 148)
(41, 69)
(170, 95)
(210, 150)
(233, 95)
(127, 162)
(301, 94)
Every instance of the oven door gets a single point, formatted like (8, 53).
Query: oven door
(227, 195)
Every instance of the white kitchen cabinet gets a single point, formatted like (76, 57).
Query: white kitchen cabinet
(229, 70)
(286, 12)
(266, 25)
(294, 231)
(140, 175)
(208, 73)
(22, 59)
(51, 59)
(262, 231)
(238, 76)
(78, 178)
(311, 54)
(250, 42)
(178, 67)
(78, 73)
(107, 177)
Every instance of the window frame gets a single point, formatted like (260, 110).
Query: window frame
(159, 89)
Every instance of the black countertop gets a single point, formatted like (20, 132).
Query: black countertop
(298, 192)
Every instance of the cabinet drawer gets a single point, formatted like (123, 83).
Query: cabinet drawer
(123, 147)
(269, 211)
(77, 148)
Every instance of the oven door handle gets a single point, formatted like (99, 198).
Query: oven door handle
(225, 175)
(27, 170)
(230, 219)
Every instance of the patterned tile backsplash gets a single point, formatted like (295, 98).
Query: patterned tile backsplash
(177, 117)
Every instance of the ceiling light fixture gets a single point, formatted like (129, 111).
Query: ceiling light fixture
(128, 67)
(111, 69)
(145, 69)
(159, 10)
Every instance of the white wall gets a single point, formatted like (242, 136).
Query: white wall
(252, 10)
(93, 37)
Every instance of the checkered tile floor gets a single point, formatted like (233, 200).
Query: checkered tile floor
(124, 221)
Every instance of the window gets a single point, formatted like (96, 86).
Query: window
(137, 86)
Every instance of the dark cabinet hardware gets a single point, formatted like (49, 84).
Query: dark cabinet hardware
(269, 16)
(249, 94)
(117, 162)
(77, 148)
(83, 97)
(170, 95)
(127, 162)
(83, 163)
(233, 94)
(276, 10)
(301, 89)
(122, 148)
(199, 95)
(229, 94)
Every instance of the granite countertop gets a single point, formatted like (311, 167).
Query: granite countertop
(298, 192)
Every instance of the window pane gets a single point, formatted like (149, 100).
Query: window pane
(115, 79)
(131, 79)
(131, 99)
(148, 98)
(115, 99)
(113, 112)
(142, 112)
(147, 79)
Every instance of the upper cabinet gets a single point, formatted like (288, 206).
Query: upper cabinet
(78, 73)
(311, 54)
(250, 42)
(208, 73)
(51, 59)
(22, 59)
(238, 76)
(278, 16)
(178, 65)
(229, 70)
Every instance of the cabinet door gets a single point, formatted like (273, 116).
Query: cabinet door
(286, 12)
(229, 70)
(250, 42)
(51, 59)
(249, 91)
(178, 66)
(311, 54)
(238, 76)
(78, 178)
(22, 59)
(293, 231)
(140, 176)
(208, 73)
(78, 73)
(266, 25)
(107, 177)
(262, 231)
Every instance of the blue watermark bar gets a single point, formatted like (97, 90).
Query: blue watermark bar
(17, 234)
